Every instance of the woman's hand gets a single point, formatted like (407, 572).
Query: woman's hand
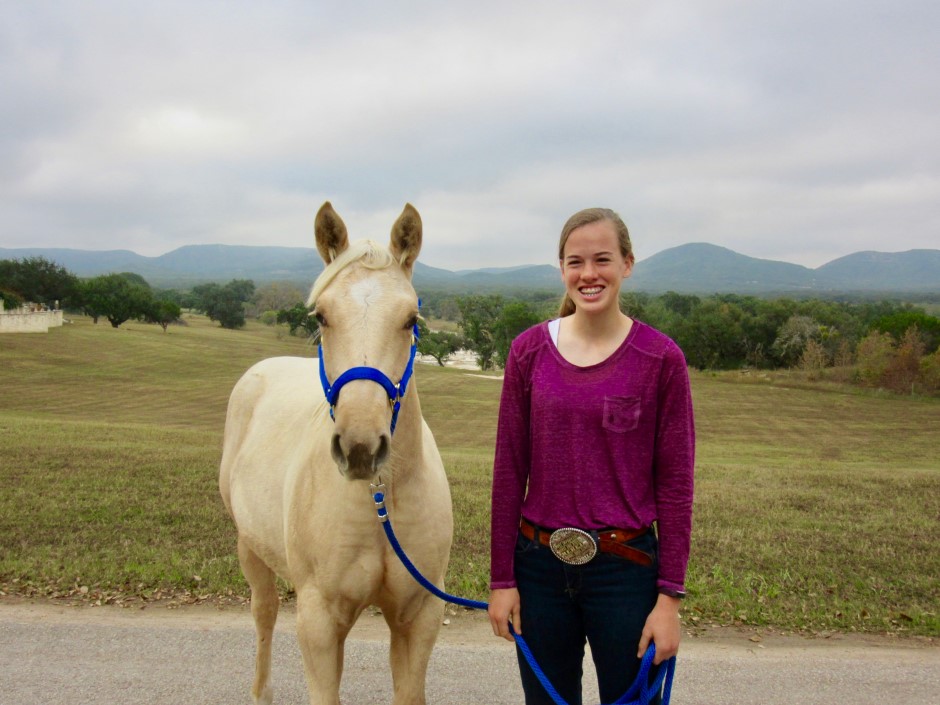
(663, 628)
(503, 609)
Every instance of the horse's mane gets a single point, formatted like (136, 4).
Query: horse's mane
(373, 256)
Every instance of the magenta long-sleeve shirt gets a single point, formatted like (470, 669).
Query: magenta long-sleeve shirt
(608, 445)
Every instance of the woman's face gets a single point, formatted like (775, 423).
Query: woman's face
(593, 267)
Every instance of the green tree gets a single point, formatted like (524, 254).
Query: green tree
(298, 318)
(634, 304)
(201, 296)
(40, 281)
(137, 280)
(438, 344)
(448, 310)
(225, 304)
(173, 295)
(478, 319)
(680, 304)
(899, 322)
(163, 313)
(11, 300)
(761, 322)
(711, 335)
(115, 297)
(514, 317)
(792, 338)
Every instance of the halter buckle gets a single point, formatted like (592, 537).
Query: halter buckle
(378, 496)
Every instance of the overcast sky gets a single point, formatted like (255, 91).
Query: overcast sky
(796, 131)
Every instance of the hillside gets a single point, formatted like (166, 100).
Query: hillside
(880, 270)
(700, 267)
(691, 268)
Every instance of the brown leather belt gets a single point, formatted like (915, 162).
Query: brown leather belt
(608, 540)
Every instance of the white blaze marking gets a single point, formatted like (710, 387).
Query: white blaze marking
(364, 291)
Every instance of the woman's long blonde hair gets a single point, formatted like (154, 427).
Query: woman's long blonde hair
(586, 217)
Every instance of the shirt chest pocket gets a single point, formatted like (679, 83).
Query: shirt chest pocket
(621, 414)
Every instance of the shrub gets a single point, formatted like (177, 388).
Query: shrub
(930, 373)
(844, 356)
(268, 318)
(904, 367)
(10, 300)
(874, 355)
(814, 357)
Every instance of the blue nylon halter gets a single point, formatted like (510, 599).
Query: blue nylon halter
(395, 392)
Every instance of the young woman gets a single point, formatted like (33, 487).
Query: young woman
(595, 446)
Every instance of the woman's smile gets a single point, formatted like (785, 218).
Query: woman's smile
(593, 266)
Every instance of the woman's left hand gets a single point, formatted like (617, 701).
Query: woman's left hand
(663, 628)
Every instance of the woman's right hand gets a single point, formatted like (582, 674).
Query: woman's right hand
(503, 609)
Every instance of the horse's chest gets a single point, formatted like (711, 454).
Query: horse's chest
(348, 558)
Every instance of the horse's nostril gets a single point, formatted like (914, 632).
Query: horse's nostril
(381, 455)
(336, 450)
(357, 459)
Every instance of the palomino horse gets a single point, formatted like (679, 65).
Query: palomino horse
(297, 483)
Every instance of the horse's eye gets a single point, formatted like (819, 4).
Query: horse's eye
(412, 322)
(321, 319)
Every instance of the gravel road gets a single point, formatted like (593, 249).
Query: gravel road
(54, 655)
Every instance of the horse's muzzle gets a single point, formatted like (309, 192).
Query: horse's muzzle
(360, 460)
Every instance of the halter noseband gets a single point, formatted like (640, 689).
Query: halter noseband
(394, 392)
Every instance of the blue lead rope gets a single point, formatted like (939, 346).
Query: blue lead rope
(639, 693)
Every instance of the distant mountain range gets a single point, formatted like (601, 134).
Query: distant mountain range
(692, 268)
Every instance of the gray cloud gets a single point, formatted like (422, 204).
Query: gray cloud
(790, 132)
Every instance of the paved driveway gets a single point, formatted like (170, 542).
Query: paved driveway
(72, 656)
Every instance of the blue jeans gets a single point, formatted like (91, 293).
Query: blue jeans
(604, 602)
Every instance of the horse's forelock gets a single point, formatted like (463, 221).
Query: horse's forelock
(370, 253)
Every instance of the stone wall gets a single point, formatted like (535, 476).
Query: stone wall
(28, 320)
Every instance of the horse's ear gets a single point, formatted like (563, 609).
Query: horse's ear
(406, 237)
(330, 231)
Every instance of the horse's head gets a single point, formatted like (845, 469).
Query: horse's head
(367, 309)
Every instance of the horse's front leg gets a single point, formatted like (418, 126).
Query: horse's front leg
(264, 607)
(411, 645)
(321, 635)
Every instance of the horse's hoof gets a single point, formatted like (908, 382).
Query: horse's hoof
(266, 697)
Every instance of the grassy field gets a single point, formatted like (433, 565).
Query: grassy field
(817, 509)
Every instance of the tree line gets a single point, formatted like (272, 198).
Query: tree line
(888, 344)
(885, 344)
(118, 297)
(879, 343)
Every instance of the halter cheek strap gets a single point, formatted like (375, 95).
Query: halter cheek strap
(394, 392)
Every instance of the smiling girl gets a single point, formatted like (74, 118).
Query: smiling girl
(592, 478)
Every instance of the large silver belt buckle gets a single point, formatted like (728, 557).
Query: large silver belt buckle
(572, 546)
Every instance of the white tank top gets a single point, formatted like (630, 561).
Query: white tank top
(553, 327)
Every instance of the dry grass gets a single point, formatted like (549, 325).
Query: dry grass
(817, 507)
